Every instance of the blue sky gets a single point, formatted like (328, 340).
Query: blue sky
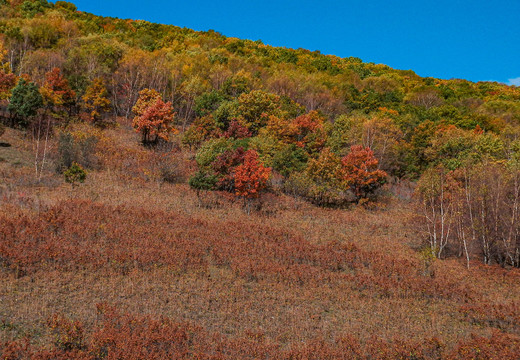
(474, 40)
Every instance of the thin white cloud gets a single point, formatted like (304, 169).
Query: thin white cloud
(515, 81)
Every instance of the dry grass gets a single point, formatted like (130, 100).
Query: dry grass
(382, 293)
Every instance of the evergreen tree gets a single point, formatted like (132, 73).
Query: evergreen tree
(25, 102)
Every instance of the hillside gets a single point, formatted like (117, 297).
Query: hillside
(167, 193)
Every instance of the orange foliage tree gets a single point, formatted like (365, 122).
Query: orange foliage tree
(7, 83)
(156, 122)
(295, 130)
(360, 172)
(305, 131)
(154, 117)
(96, 100)
(147, 97)
(56, 91)
(251, 177)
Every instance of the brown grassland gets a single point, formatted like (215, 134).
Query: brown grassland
(126, 266)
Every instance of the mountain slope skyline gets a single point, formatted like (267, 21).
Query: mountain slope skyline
(447, 40)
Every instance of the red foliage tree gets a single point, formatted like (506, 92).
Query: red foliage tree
(307, 124)
(155, 122)
(360, 173)
(56, 91)
(237, 131)
(225, 165)
(251, 177)
(7, 82)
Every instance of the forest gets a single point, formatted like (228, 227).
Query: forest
(169, 193)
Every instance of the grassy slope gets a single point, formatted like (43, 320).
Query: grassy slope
(246, 279)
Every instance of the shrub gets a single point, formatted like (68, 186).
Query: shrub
(290, 159)
(77, 148)
(210, 150)
(202, 129)
(75, 174)
(68, 334)
(202, 181)
(172, 170)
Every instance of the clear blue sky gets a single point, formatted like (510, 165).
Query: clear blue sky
(469, 39)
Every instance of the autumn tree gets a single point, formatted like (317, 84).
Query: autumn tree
(189, 90)
(225, 166)
(345, 132)
(251, 178)
(326, 169)
(237, 131)
(489, 215)
(138, 69)
(31, 8)
(237, 84)
(96, 101)
(425, 97)
(156, 122)
(202, 129)
(147, 97)
(288, 159)
(282, 129)
(473, 211)
(208, 102)
(57, 93)
(307, 124)
(254, 109)
(306, 131)
(320, 182)
(7, 83)
(360, 172)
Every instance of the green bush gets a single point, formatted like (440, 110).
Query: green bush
(75, 174)
(208, 102)
(289, 160)
(210, 150)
